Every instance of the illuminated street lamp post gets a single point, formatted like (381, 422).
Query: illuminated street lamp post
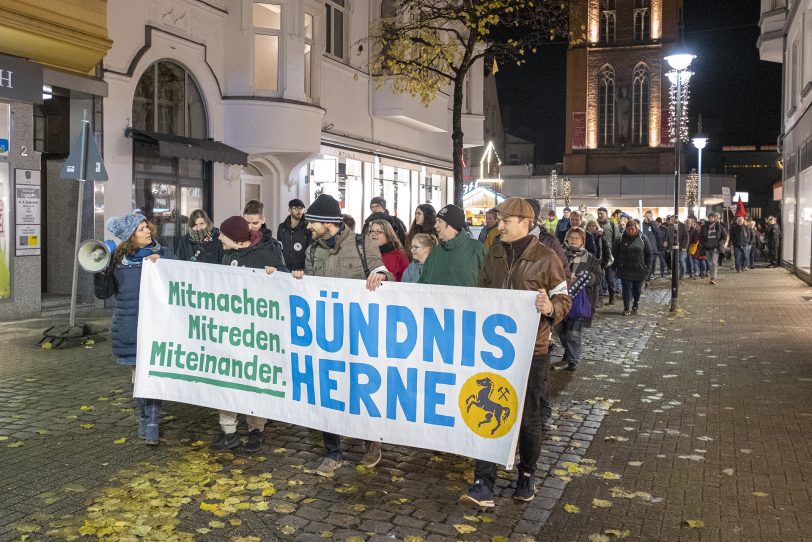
(678, 76)
(700, 140)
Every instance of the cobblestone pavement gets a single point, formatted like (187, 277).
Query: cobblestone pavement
(644, 414)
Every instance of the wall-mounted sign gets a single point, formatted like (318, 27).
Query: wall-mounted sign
(28, 216)
(579, 130)
(3, 147)
(20, 80)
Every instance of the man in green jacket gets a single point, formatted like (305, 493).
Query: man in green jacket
(457, 259)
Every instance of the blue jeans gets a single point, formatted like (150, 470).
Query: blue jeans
(569, 331)
(748, 254)
(685, 264)
(652, 265)
(700, 266)
(713, 262)
(663, 267)
(631, 290)
(610, 279)
(740, 255)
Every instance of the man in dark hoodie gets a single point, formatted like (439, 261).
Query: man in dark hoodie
(254, 215)
(294, 236)
(378, 205)
(245, 247)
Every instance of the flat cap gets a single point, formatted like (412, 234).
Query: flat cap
(516, 207)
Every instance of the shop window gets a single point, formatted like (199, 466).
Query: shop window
(606, 106)
(640, 99)
(166, 189)
(267, 31)
(335, 28)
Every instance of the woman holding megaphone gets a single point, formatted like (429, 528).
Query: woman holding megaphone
(122, 279)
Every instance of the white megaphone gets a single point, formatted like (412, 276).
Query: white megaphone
(94, 256)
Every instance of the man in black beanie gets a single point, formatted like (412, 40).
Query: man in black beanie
(378, 207)
(457, 259)
(336, 252)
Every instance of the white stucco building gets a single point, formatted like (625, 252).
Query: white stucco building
(283, 81)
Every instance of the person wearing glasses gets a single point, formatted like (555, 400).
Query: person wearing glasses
(392, 253)
(421, 247)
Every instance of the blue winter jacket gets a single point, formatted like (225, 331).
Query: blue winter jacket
(124, 332)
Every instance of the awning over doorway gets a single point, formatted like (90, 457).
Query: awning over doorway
(172, 146)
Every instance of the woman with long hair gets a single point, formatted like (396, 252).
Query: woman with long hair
(424, 219)
(392, 253)
(202, 240)
(122, 279)
(633, 257)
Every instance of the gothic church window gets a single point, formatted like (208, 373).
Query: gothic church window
(640, 102)
(608, 19)
(642, 21)
(606, 106)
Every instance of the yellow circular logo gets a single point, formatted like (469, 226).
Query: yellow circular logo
(488, 405)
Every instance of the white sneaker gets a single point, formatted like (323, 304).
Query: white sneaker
(372, 454)
(329, 467)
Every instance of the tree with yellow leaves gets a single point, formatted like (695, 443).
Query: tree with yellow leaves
(424, 46)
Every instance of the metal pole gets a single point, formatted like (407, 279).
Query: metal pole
(675, 250)
(699, 189)
(82, 175)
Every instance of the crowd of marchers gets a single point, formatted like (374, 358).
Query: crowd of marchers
(571, 262)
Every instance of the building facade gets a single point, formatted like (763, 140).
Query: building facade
(50, 56)
(617, 91)
(786, 37)
(284, 87)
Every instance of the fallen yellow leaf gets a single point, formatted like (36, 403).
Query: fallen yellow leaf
(610, 476)
(571, 508)
(464, 529)
(760, 494)
(86, 426)
(617, 533)
(601, 503)
(694, 523)
(121, 440)
(14, 444)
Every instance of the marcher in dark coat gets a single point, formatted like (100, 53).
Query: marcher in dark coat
(712, 238)
(378, 205)
(294, 236)
(202, 241)
(581, 263)
(651, 230)
(633, 256)
(772, 238)
(740, 239)
(122, 279)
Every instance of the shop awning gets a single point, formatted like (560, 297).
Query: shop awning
(172, 146)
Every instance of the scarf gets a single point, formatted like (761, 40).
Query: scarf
(138, 256)
(331, 242)
(514, 250)
(201, 236)
(387, 248)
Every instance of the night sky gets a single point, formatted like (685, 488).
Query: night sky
(738, 95)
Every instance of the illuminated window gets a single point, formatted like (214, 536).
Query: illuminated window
(642, 23)
(267, 30)
(640, 97)
(606, 106)
(608, 19)
(308, 54)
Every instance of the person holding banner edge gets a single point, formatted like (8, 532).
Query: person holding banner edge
(245, 247)
(520, 262)
(336, 252)
(122, 279)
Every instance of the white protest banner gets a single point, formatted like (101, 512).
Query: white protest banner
(435, 367)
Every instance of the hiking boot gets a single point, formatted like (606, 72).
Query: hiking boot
(525, 487)
(329, 467)
(372, 454)
(225, 441)
(254, 441)
(478, 495)
(571, 365)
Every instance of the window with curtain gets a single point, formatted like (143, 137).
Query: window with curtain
(606, 106)
(608, 20)
(334, 28)
(640, 99)
(267, 23)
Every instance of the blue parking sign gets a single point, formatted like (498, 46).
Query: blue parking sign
(3, 146)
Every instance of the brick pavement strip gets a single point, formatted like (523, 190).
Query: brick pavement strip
(737, 361)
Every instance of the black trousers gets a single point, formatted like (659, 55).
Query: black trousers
(536, 412)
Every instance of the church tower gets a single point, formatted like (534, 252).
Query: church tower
(617, 90)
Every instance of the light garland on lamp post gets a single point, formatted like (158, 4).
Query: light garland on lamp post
(691, 183)
(553, 189)
(566, 188)
(672, 108)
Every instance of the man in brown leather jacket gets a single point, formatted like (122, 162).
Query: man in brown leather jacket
(520, 262)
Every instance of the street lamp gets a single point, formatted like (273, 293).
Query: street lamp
(700, 140)
(678, 75)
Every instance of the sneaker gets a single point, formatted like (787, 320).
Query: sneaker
(254, 441)
(571, 365)
(478, 495)
(634, 308)
(525, 487)
(626, 312)
(372, 454)
(559, 365)
(151, 435)
(713, 281)
(225, 441)
(329, 467)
